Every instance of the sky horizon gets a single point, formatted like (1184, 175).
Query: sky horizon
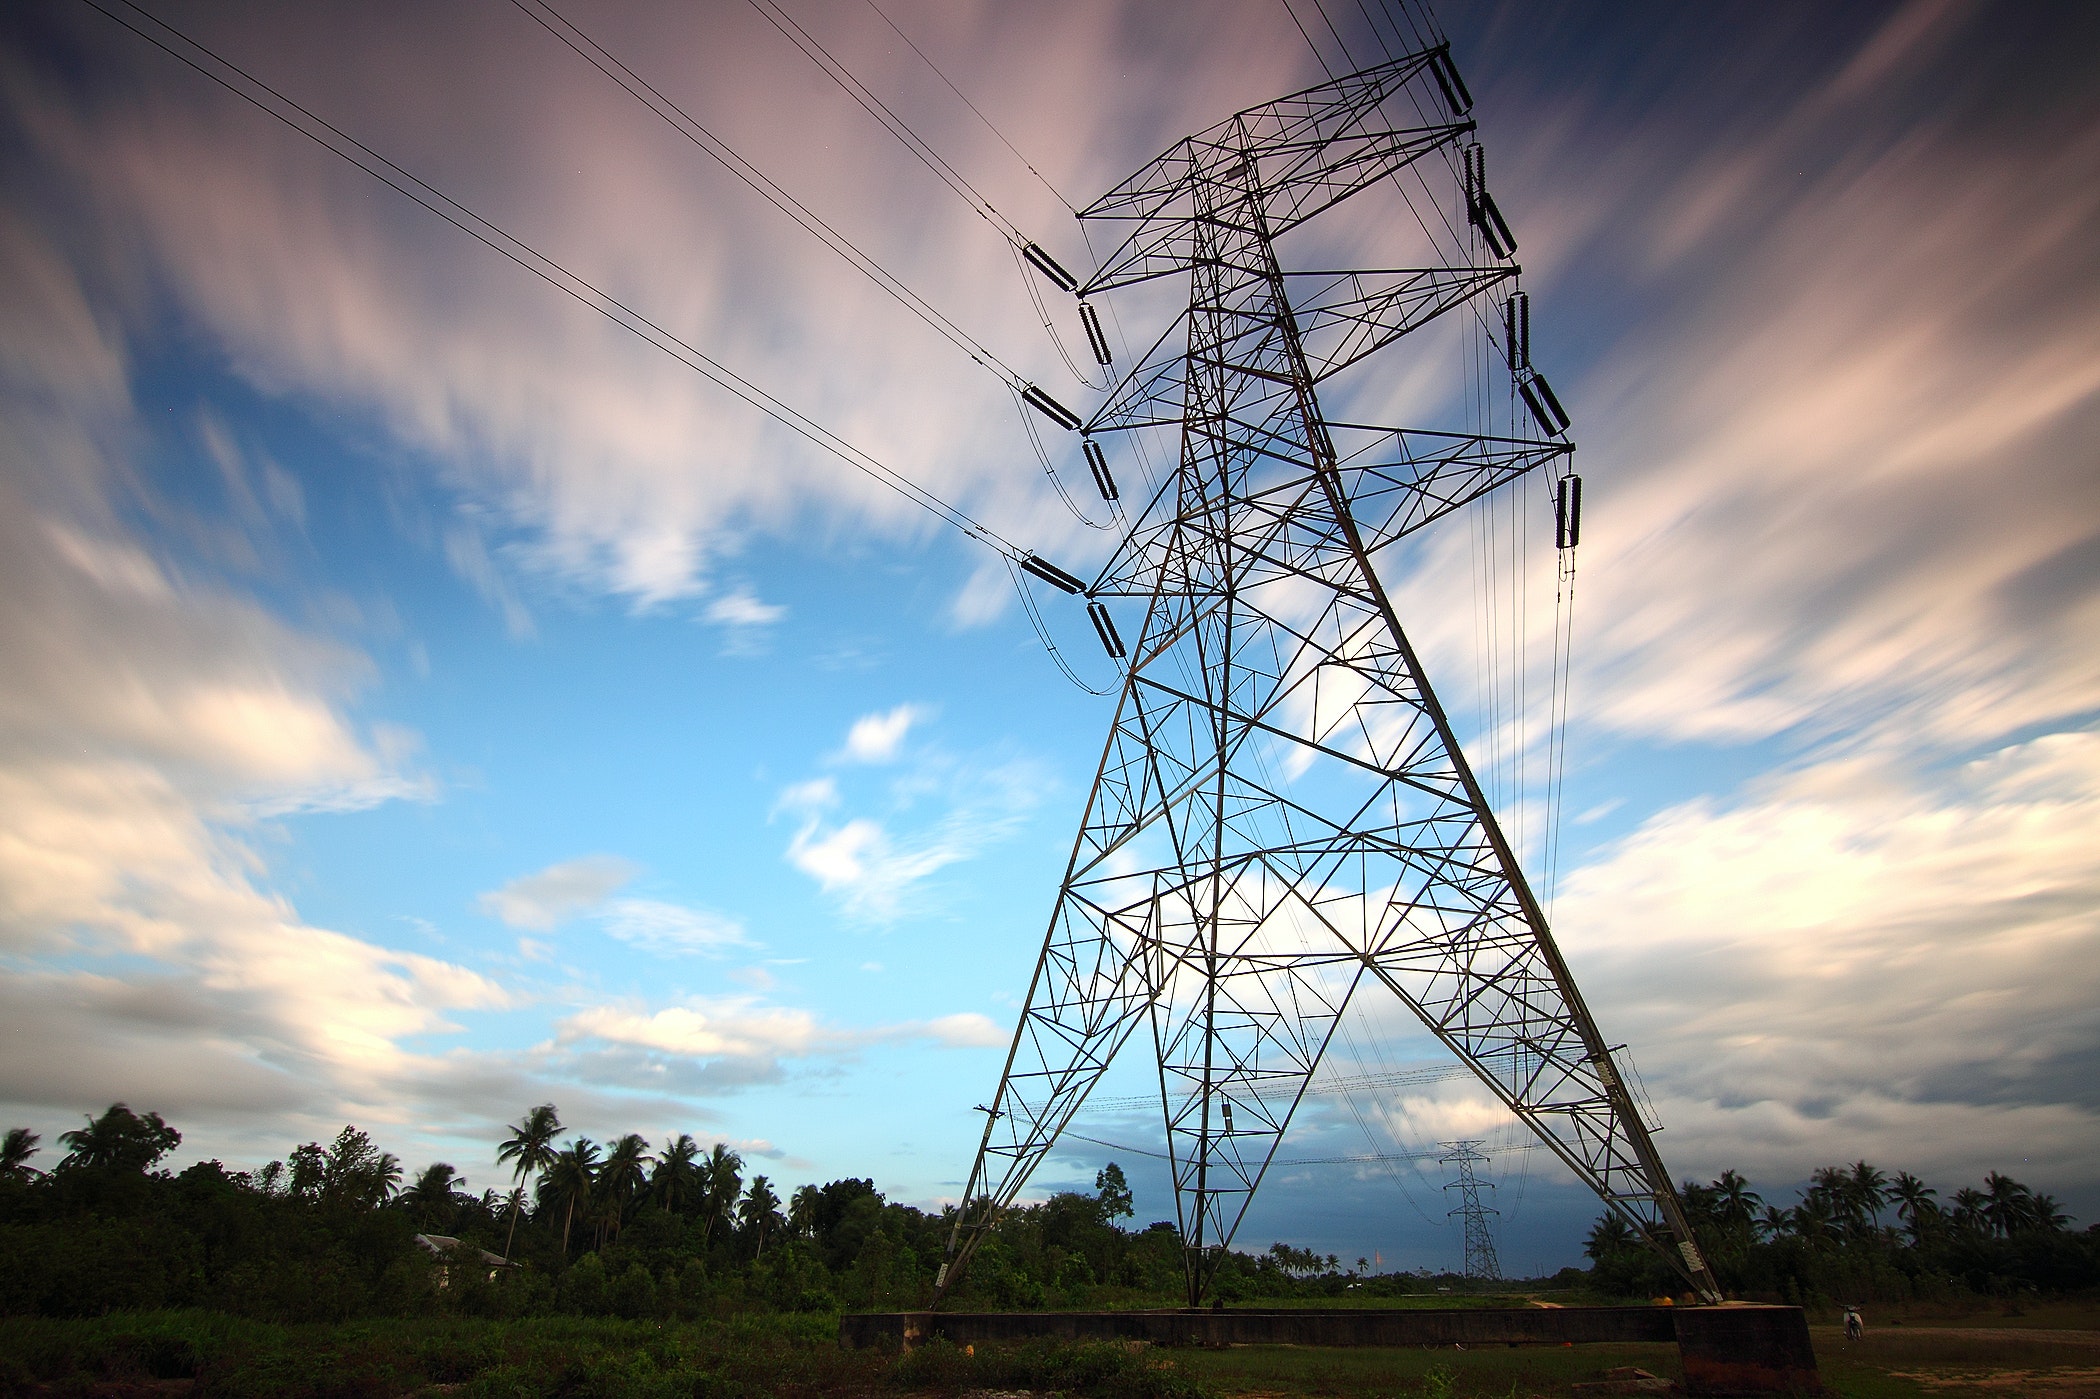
(421, 699)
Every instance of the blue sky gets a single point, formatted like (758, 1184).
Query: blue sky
(422, 700)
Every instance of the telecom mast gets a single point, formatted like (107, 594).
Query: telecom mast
(1283, 818)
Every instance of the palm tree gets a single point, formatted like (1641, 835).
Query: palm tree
(622, 1177)
(120, 1139)
(676, 1179)
(2046, 1212)
(434, 1199)
(2007, 1204)
(1870, 1190)
(1735, 1201)
(571, 1178)
(15, 1150)
(1914, 1203)
(1610, 1234)
(802, 1211)
(1969, 1204)
(721, 1182)
(1812, 1218)
(759, 1209)
(530, 1150)
(1775, 1221)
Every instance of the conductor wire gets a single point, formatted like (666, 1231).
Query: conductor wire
(323, 133)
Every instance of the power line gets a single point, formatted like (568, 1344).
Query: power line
(875, 107)
(681, 121)
(1040, 177)
(306, 123)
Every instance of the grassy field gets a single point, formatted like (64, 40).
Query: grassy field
(1980, 1353)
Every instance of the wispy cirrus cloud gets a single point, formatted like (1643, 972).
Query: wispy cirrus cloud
(584, 887)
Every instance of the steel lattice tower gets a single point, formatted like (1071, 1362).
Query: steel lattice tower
(1481, 1261)
(1283, 817)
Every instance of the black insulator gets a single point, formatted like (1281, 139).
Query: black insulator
(1091, 319)
(1098, 464)
(1567, 513)
(1105, 628)
(1516, 325)
(1560, 414)
(1053, 575)
(1537, 406)
(1047, 265)
(1493, 227)
(1476, 179)
(1446, 73)
(1050, 408)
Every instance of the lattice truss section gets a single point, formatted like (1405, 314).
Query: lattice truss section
(1282, 816)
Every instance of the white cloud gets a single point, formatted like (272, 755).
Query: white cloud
(746, 1027)
(550, 897)
(1850, 958)
(742, 608)
(876, 738)
(671, 929)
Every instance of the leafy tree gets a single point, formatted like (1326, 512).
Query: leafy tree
(529, 1151)
(356, 1174)
(1113, 1191)
(120, 1140)
(15, 1150)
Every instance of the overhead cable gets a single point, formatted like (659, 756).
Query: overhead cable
(875, 107)
(683, 122)
(267, 99)
(1040, 177)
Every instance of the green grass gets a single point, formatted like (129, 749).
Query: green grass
(798, 1357)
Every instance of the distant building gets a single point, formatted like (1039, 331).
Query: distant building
(443, 1247)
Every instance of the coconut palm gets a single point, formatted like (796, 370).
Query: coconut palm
(434, 1199)
(721, 1182)
(1915, 1205)
(121, 1140)
(2046, 1212)
(1869, 1190)
(1736, 1202)
(676, 1180)
(802, 1211)
(1969, 1204)
(759, 1210)
(529, 1150)
(621, 1178)
(15, 1150)
(571, 1179)
(2007, 1204)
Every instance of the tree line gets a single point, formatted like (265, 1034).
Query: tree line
(1857, 1234)
(682, 1229)
(621, 1228)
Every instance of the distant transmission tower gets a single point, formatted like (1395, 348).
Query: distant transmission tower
(1282, 815)
(1480, 1239)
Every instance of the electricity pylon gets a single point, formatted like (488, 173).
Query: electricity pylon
(1481, 1261)
(1283, 817)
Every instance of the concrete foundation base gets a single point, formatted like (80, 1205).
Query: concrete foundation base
(1730, 1350)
